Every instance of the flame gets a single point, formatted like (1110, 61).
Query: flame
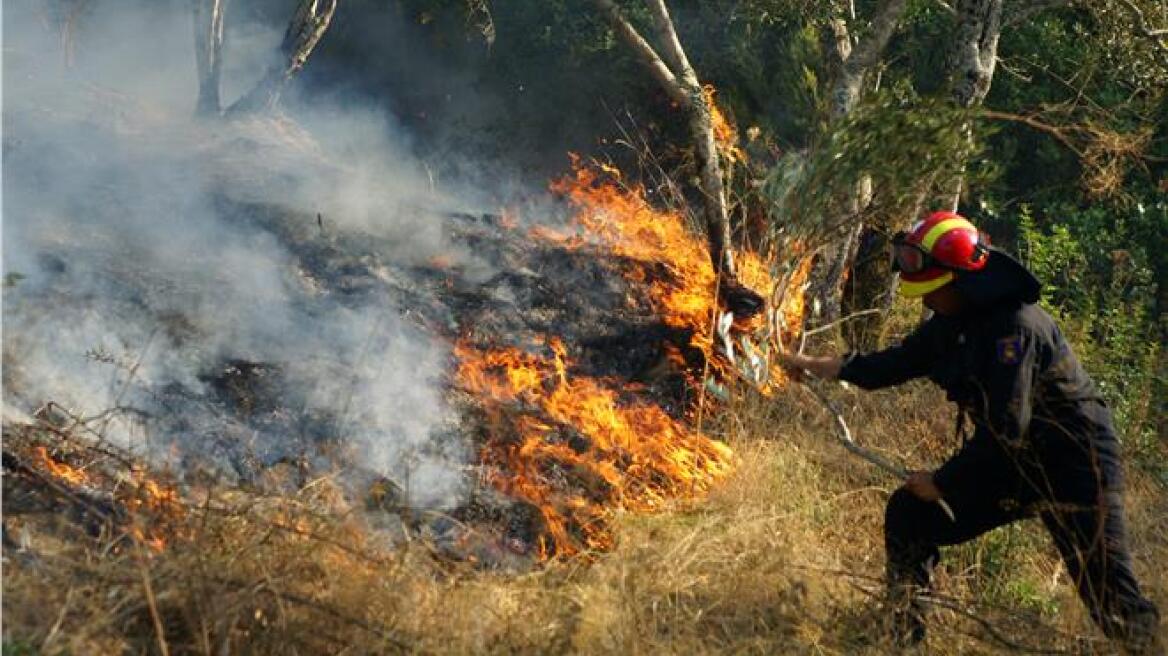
(577, 448)
(63, 471)
(725, 132)
(156, 509)
(624, 221)
(585, 451)
(153, 507)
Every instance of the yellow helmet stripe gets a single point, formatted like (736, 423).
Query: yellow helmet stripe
(937, 231)
(910, 289)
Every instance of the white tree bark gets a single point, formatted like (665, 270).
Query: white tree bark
(975, 49)
(677, 77)
(852, 65)
(208, 24)
(308, 25)
(972, 62)
(857, 62)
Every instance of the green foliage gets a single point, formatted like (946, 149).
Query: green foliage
(898, 140)
(18, 648)
(998, 564)
(1064, 69)
(1100, 282)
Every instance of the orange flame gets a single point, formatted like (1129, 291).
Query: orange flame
(725, 133)
(153, 506)
(587, 451)
(156, 508)
(578, 448)
(61, 470)
(626, 223)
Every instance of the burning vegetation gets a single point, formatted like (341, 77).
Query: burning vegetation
(583, 369)
(111, 498)
(578, 447)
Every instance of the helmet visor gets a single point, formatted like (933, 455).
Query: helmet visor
(908, 258)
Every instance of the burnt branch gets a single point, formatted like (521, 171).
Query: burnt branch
(308, 25)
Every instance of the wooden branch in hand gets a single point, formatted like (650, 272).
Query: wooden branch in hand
(844, 436)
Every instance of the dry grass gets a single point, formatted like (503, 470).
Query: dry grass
(782, 558)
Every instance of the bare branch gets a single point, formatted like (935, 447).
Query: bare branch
(684, 88)
(308, 25)
(632, 38)
(868, 51)
(673, 50)
(946, 6)
(1142, 23)
(1029, 121)
(208, 24)
(1158, 36)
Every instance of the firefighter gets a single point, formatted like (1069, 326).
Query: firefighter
(1042, 442)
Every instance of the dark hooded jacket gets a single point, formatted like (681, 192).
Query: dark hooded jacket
(1040, 427)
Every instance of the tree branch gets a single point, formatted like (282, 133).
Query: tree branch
(667, 34)
(1142, 22)
(684, 88)
(868, 51)
(1158, 37)
(975, 49)
(308, 25)
(632, 38)
(208, 25)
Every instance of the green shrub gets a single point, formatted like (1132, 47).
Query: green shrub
(1099, 283)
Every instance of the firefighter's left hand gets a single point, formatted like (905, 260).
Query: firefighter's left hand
(920, 483)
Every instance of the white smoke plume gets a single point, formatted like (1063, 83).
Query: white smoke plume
(145, 253)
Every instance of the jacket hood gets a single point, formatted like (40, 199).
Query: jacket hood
(1003, 279)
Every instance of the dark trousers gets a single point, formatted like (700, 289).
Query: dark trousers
(1091, 540)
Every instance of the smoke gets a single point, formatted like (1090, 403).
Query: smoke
(221, 291)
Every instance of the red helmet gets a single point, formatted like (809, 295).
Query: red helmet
(928, 256)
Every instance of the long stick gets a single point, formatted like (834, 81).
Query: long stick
(844, 436)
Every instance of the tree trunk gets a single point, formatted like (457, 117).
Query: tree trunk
(717, 216)
(851, 66)
(677, 77)
(308, 25)
(208, 23)
(972, 61)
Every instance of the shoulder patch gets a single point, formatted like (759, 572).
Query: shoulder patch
(1010, 350)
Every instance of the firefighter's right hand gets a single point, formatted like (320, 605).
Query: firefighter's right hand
(827, 368)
